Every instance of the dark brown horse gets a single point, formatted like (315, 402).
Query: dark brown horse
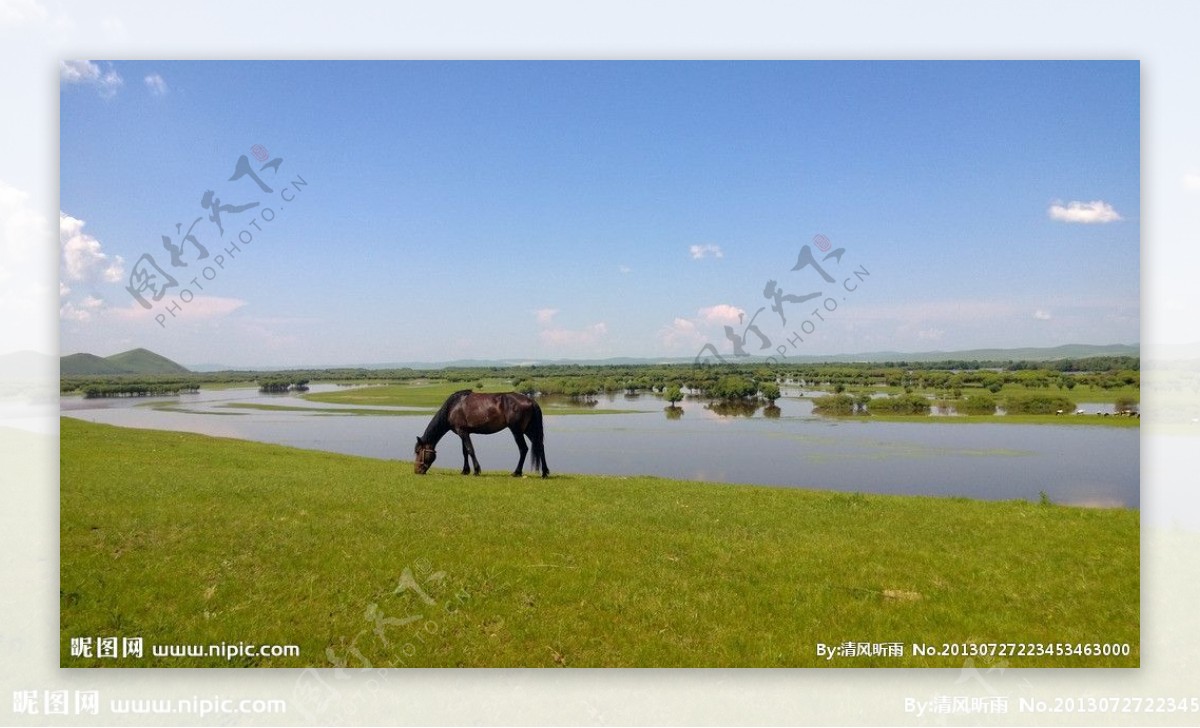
(466, 413)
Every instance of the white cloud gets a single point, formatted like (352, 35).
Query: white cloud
(588, 336)
(624, 268)
(1086, 212)
(681, 334)
(692, 333)
(106, 81)
(78, 71)
(930, 334)
(705, 251)
(81, 311)
(82, 256)
(15, 13)
(1041, 315)
(1191, 181)
(559, 336)
(83, 260)
(721, 314)
(70, 312)
(199, 308)
(156, 84)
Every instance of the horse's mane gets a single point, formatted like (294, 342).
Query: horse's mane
(441, 420)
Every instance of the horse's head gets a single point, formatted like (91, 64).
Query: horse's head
(423, 457)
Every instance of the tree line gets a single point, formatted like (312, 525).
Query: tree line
(951, 379)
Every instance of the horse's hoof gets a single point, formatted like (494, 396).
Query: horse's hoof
(517, 474)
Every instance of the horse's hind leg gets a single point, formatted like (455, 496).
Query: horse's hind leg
(523, 448)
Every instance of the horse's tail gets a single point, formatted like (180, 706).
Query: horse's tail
(537, 435)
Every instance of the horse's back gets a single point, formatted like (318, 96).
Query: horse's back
(480, 413)
(486, 413)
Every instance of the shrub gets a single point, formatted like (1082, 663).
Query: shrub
(733, 387)
(907, 404)
(769, 391)
(673, 394)
(834, 404)
(977, 404)
(1038, 404)
(275, 385)
(1125, 404)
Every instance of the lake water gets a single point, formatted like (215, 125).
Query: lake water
(1078, 465)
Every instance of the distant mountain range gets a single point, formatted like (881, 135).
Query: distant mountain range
(134, 361)
(1068, 351)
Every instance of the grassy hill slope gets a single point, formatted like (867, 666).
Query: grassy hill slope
(86, 365)
(144, 361)
(134, 361)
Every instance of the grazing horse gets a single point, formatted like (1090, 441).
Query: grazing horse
(467, 412)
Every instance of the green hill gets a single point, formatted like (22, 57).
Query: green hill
(134, 361)
(86, 364)
(144, 361)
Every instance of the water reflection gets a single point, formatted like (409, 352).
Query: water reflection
(733, 408)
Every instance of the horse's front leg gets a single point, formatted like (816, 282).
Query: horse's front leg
(469, 449)
(466, 470)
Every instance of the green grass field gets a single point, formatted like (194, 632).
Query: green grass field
(185, 539)
(340, 412)
(416, 394)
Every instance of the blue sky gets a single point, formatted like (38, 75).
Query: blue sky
(583, 210)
